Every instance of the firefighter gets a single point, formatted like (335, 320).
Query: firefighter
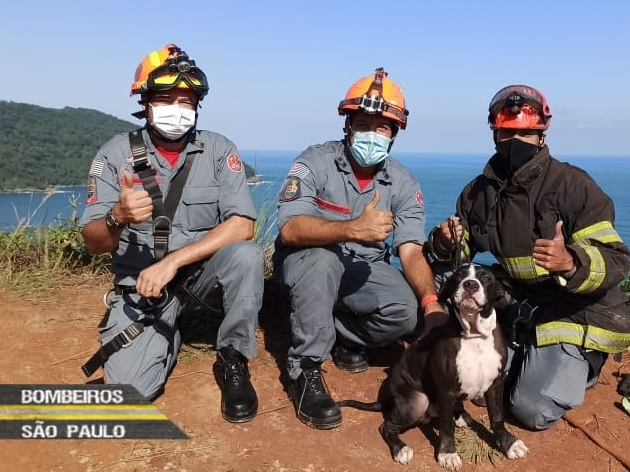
(196, 246)
(345, 209)
(551, 229)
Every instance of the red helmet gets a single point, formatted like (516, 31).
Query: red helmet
(519, 107)
(376, 94)
(169, 68)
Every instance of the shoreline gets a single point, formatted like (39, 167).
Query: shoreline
(49, 189)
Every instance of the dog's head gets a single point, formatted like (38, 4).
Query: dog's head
(474, 293)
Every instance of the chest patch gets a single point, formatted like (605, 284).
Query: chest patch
(325, 205)
(292, 189)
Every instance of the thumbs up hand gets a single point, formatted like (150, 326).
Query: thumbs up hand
(552, 254)
(134, 206)
(373, 225)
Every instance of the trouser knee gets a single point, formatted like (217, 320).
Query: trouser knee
(538, 415)
(245, 259)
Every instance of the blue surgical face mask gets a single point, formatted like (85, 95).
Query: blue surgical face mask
(369, 148)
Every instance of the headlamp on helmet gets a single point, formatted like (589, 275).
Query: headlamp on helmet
(376, 94)
(169, 68)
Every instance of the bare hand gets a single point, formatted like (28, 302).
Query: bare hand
(434, 317)
(152, 280)
(552, 254)
(373, 225)
(445, 231)
(135, 206)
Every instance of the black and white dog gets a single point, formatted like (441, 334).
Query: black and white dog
(461, 360)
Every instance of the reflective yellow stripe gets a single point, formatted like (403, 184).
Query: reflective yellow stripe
(589, 337)
(83, 417)
(523, 268)
(603, 232)
(597, 270)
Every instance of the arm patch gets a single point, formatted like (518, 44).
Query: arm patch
(291, 190)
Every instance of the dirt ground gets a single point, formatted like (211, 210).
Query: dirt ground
(47, 339)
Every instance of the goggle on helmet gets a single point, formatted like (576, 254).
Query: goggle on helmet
(169, 68)
(376, 94)
(519, 107)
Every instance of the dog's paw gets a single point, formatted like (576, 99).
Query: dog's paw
(460, 422)
(450, 461)
(404, 456)
(518, 450)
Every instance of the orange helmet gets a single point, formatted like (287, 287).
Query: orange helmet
(519, 107)
(168, 68)
(376, 94)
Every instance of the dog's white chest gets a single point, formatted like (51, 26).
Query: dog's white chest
(478, 364)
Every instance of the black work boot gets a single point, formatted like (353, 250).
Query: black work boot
(238, 397)
(313, 404)
(350, 358)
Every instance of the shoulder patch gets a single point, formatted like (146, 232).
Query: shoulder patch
(91, 196)
(234, 163)
(420, 198)
(292, 190)
(96, 168)
(299, 170)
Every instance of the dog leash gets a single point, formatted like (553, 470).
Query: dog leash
(458, 246)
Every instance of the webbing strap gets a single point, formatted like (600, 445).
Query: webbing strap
(119, 341)
(163, 209)
(122, 340)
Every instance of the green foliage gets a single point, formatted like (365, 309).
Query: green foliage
(41, 147)
(263, 233)
(625, 285)
(32, 256)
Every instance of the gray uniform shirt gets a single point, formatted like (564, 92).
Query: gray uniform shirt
(216, 189)
(321, 183)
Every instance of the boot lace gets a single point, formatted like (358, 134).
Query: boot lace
(314, 382)
(233, 371)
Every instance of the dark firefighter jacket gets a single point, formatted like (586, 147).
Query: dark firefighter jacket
(506, 215)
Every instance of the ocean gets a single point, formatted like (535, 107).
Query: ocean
(441, 178)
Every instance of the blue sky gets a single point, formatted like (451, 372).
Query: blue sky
(278, 69)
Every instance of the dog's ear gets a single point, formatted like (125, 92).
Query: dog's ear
(500, 298)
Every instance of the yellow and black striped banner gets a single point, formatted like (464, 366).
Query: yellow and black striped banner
(81, 412)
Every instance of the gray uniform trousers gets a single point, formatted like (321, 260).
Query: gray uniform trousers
(232, 277)
(367, 303)
(543, 383)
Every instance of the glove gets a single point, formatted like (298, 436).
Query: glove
(623, 387)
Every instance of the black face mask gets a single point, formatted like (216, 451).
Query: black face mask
(516, 152)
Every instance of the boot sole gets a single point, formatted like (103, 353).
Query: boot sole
(352, 368)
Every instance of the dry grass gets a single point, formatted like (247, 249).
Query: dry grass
(474, 447)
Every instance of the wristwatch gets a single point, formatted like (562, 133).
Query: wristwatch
(112, 222)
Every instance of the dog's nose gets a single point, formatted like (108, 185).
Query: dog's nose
(471, 285)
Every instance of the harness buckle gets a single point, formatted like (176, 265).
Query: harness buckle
(129, 335)
(161, 230)
(162, 226)
(107, 298)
